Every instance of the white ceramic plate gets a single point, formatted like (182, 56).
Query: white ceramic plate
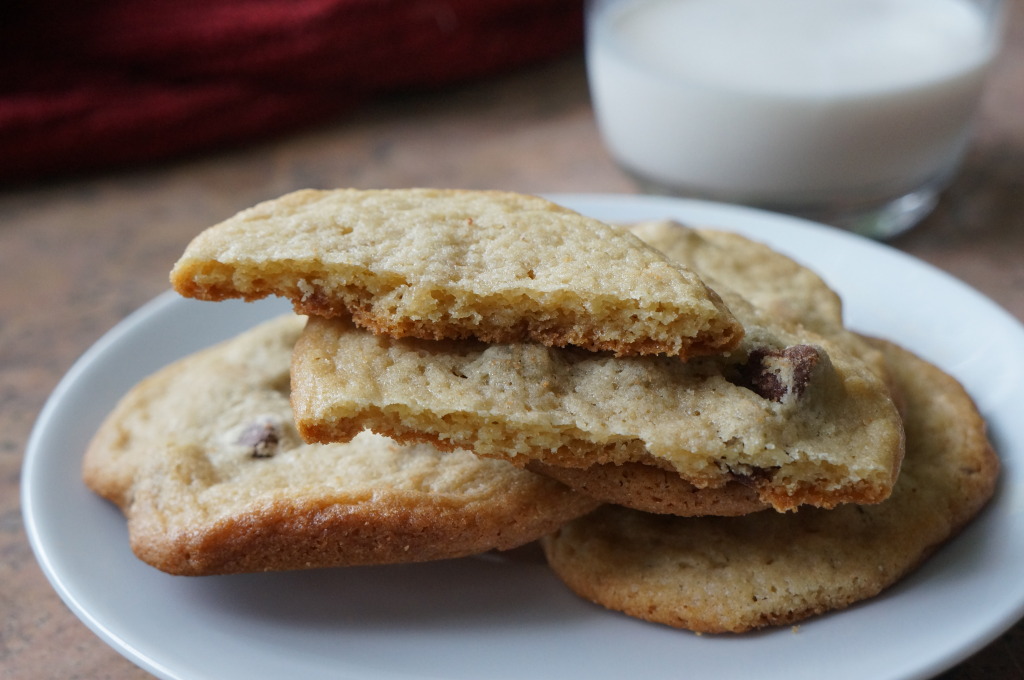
(478, 618)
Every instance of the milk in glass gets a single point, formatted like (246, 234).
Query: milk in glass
(788, 102)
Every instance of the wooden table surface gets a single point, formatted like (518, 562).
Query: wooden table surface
(77, 256)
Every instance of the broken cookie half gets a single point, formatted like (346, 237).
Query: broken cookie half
(448, 264)
(833, 437)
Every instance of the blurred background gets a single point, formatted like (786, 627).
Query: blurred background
(128, 126)
(97, 85)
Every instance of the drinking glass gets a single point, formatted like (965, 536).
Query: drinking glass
(855, 113)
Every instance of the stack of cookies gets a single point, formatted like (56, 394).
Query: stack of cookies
(679, 416)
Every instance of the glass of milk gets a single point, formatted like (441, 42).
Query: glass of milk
(852, 112)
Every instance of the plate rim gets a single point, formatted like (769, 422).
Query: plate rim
(657, 206)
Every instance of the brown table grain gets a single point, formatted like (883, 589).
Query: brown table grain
(77, 256)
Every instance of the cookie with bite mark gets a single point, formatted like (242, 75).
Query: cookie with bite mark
(496, 266)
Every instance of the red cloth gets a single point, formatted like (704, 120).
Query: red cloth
(92, 84)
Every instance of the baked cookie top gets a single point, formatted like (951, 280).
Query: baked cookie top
(429, 263)
(204, 460)
(734, 574)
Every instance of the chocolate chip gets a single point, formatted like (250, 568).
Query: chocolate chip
(261, 437)
(773, 373)
(753, 476)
